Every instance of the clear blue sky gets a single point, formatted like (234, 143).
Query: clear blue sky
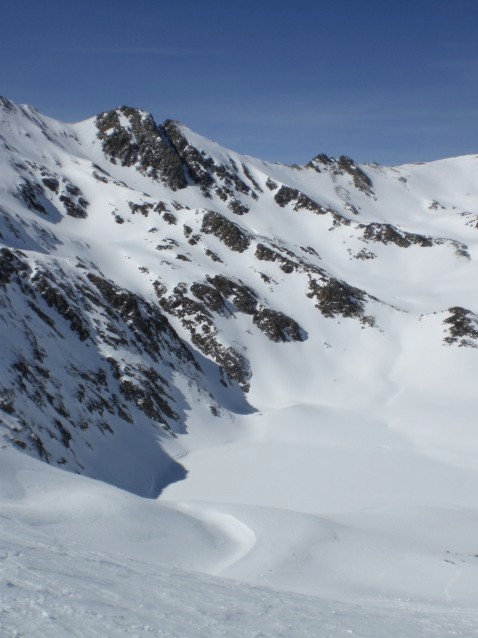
(380, 80)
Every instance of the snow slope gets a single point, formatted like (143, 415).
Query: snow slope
(81, 558)
(253, 373)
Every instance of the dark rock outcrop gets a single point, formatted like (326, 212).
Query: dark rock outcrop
(244, 298)
(462, 326)
(360, 179)
(286, 195)
(10, 264)
(277, 326)
(196, 317)
(55, 298)
(344, 165)
(132, 138)
(388, 234)
(334, 297)
(265, 253)
(232, 235)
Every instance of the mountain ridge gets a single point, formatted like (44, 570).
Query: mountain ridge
(164, 272)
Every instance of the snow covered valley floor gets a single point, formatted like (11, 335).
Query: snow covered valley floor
(81, 558)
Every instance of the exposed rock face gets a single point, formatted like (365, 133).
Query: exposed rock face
(32, 195)
(232, 235)
(462, 326)
(162, 152)
(223, 179)
(288, 260)
(83, 389)
(10, 264)
(242, 297)
(360, 179)
(48, 194)
(336, 297)
(149, 326)
(198, 167)
(196, 317)
(73, 202)
(286, 195)
(300, 201)
(344, 166)
(388, 234)
(55, 298)
(277, 326)
(210, 297)
(132, 138)
(224, 296)
(264, 253)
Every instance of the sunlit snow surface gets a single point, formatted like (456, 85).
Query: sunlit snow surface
(345, 504)
(79, 558)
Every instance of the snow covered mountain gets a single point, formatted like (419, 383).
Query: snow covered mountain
(286, 355)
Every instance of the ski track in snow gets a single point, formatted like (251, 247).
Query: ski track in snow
(451, 583)
(233, 538)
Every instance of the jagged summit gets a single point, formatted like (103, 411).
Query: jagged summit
(8, 106)
(132, 137)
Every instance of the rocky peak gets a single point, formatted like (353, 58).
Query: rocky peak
(343, 165)
(163, 152)
(6, 104)
(132, 138)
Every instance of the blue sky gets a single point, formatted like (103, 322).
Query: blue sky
(388, 81)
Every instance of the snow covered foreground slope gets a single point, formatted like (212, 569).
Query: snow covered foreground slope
(285, 356)
(81, 558)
